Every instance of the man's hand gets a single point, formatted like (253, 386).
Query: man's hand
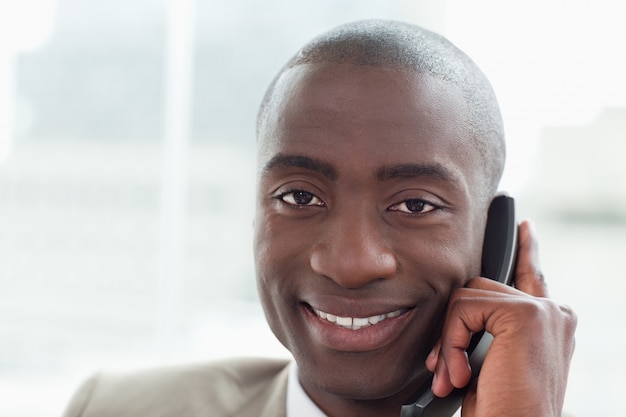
(526, 368)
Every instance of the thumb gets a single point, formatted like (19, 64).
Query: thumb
(528, 275)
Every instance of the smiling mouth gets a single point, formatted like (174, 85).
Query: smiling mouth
(357, 323)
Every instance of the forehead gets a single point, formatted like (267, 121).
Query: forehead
(359, 114)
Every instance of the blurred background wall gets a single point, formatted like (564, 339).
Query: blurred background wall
(127, 174)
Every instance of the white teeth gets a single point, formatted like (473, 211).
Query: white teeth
(344, 321)
(356, 323)
(394, 314)
(376, 319)
(360, 322)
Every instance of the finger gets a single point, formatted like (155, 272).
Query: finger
(487, 287)
(433, 357)
(456, 375)
(528, 275)
(442, 385)
(452, 369)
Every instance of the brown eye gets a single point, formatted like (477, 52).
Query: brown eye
(413, 206)
(301, 198)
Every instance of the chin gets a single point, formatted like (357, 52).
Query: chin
(364, 379)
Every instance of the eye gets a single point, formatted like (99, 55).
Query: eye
(300, 198)
(413, 206)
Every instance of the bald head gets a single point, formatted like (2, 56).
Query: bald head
(407, 47)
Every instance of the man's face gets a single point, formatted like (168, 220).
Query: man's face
(367, 218)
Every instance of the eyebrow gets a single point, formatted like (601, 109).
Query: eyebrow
(300, 161)
(434, 171)
(385, 173)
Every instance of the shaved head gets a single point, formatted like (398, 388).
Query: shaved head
(407, 47)
(380, 146)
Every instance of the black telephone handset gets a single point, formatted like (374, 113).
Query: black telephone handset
(498, 263)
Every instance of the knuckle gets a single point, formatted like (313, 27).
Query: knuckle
(540, 309)
(538, 275)
(534, 309)
(560, 318)
(533, 275)
(570, 317)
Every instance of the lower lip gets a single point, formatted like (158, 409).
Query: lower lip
(366, 339)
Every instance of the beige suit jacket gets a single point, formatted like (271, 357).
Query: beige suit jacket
(242, 388)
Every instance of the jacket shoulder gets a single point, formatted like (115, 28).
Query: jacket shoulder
(216, 389)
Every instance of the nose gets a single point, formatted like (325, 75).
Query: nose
(353, 252)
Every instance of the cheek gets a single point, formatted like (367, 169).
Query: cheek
(275, 275)
(265, 273)
(446, 259)
(274, 250)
